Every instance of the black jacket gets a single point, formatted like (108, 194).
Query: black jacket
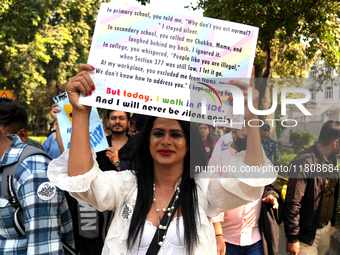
(269, 222)
(124, 155)
(304, 196)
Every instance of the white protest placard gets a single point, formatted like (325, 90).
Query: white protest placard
(168, 65)
(97, 135)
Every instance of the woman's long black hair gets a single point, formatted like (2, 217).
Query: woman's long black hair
(210, 141)
(188, 200)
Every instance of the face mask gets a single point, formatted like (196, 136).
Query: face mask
(241, 143)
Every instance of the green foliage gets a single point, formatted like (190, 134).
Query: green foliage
(43, 42)
(42, 133)
(40, 104)
(285, 156)
(40, 139)
(278, 128)
(282, 22)
(39, 134)
(293, 63)
(301, 140)
(292, 34)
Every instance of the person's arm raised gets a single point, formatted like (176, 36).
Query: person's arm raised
(80, 157)
(254, 153)
(54, 111)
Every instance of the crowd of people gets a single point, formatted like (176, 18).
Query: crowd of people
(142, 195)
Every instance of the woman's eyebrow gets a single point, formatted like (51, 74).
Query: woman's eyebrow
(157, 129)
(176, 130)
(171, 130)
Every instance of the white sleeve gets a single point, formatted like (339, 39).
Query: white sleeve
(219, 218)
(218, 147)
(102, 190)
(229, 192)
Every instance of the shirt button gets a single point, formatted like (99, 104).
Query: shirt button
(244, 218)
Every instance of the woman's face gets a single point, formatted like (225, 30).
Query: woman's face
(204, 130)
(167, 142)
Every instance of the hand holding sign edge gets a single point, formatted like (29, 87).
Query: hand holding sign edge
(81, 83)
(80, 159)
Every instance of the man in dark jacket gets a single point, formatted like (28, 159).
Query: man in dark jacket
(312, 194)
(117, 156)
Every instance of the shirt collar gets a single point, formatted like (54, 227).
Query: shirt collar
(268, 139)
(129, 144)
(232, 151)
(13, 151)
(324, 159)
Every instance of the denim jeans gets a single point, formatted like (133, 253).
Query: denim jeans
(254, 249)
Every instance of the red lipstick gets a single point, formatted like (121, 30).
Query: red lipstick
(165, 152)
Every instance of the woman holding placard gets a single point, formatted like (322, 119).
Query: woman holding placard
(158, 207)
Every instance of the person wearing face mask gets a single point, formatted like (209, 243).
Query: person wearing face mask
(238, 231)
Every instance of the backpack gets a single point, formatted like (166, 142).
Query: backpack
(7, 190)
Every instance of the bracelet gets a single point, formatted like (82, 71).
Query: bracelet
(55, 123)
(219, 236)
